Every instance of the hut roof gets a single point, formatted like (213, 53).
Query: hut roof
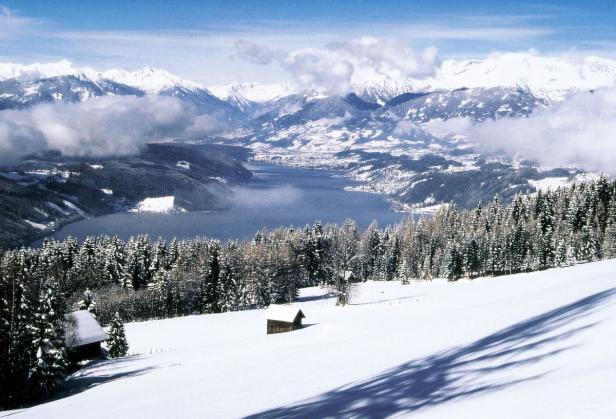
(283, 313)
(83, 329)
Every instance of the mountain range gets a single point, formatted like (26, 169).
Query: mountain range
(381, 133)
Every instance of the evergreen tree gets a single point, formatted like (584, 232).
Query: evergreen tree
(117, 345)
(48, 356)
(87, 303)
(371, 251)
(228, 280)
(609, 238)
(161, 283)
(210, 275)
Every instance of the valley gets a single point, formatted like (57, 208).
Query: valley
(275, 196)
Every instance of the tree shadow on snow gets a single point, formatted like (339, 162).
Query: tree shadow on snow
(308, 298)
(452, 374)
(90, 377)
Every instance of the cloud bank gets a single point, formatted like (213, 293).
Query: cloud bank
(339, 64)
(579, 131)
(107, 126)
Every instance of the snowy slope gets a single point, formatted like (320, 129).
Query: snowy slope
(534, 345)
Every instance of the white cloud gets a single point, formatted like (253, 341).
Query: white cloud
(580, 131)
(442, 127)
(12, 24)
(406, 128)
(339, 64)
(107, 126)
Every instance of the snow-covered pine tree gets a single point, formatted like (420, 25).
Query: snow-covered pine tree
(228, 279)
(117, 345)
(405, 273)
(48, 355)
(210, 275)
(161, 283)
(87, 303)
(609, 238)
(370, 250)
(115, 260)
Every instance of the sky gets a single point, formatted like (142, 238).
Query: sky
(198, 40)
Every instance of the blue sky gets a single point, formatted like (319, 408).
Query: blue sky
(196, 39)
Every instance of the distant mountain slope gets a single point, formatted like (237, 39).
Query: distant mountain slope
(25, 86)
(16, 94)
(547, 77)
(48, 190)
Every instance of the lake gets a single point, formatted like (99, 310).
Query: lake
(276, 196)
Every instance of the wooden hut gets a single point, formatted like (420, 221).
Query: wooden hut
(283, 318)
(83, 336)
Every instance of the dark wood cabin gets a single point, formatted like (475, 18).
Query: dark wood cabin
(283, 318)
(84, 336)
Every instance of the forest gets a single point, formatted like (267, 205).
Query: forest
(142, 279)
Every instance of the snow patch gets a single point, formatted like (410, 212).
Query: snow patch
(549, 183)
(161, 204)
(38, 226)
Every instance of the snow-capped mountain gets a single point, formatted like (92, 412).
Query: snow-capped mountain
(254, 92)
(149, 80)
(43, 71)
(16, 94)
(23, 86)
(251, 97)
(550, 78)
(383, 91)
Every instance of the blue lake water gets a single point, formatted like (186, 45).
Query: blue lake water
(276, 196)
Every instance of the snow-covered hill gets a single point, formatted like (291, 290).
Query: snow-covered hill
(534, 345)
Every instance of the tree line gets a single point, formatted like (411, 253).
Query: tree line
(140, 279)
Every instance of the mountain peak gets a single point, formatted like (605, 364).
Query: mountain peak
(37, 70)
(148, 79)
(254, 92)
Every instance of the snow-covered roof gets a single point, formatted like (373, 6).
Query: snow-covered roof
(283, 313)
(82, 329)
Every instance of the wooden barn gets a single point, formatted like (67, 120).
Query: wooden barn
(283, 318)
(83, 336)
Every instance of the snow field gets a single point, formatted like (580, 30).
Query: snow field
(521, 346)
